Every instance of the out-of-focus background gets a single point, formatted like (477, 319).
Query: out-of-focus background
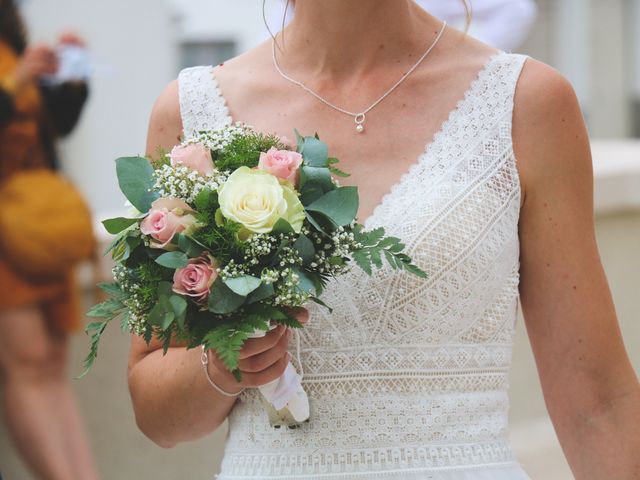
(139, 46)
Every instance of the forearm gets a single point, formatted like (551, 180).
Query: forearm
(172, 400)
(604, 442)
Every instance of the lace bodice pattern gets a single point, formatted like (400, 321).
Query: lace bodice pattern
(407, 378)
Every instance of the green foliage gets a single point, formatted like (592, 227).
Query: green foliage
(116, 225)
(135, 177)
(340, 206)
(244, 150)
(107, 310)
(308, 281)
(313, 150)
(221, 238)
(304, 247)
(335, 170)
(112, 289)
(188, 245)
(117, 245)
(222, 299)
(374, 245)
(162, 158)
(314, 182)
(264, 291)
(206, 199)
(228, 338)
(282, 226)
(243, 285)
(148, 275)
(95, 331)
(173, 260)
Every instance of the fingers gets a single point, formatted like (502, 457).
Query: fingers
(265, 376)
(301, 314)
(70, 38)
(262, 361)
(253, 346)
(40, 60)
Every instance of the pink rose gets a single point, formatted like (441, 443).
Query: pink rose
(166, 217)
(195, 279)
(283, 164)
(195, 156)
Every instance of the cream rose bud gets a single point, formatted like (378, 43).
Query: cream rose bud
(167, 217)
(194, 156)
(257, 200)
(196, 279)
(283, 164)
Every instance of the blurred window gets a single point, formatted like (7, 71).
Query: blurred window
(206, 52)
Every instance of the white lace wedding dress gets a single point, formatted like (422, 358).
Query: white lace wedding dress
(407, 378)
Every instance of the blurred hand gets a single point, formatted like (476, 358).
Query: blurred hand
(261, 359)
(36, 61)
(71, 38)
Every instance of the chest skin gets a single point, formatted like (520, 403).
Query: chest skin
(397, 130)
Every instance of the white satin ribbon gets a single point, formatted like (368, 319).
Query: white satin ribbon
(286, 391)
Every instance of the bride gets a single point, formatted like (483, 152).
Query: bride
(489, 186)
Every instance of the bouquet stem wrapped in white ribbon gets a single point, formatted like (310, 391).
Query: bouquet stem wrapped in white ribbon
(286, 401)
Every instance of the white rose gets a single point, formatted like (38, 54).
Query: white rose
(257, 200)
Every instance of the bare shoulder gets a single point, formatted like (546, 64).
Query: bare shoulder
(549, 132)
(165, 123)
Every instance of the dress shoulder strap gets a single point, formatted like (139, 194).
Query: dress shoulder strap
(202, 106)
(512, 68)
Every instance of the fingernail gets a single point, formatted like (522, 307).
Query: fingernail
(289, 357)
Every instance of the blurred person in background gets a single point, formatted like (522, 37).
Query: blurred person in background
(503, 24)
(36, 317)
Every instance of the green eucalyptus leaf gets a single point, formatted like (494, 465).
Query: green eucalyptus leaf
(304, 246)
(135, 177)
(173, 260)
(222, 299)
(321, 222)
(315, 152)
(307, 283)
(282, 226)
(189, 245)
(243, 285)
(179, 306)
(265, 290)
(117, 225)
(339, 205)
(167, 319)
(314, 182)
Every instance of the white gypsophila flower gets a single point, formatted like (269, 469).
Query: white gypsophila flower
(217, 140)
(183, 183)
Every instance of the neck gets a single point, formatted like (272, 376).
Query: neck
(343, 36)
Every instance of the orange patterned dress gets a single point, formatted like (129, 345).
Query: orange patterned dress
(21, 148)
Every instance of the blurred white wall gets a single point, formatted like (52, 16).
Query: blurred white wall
(134, 47)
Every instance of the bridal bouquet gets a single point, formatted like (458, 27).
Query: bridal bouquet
(232, 228)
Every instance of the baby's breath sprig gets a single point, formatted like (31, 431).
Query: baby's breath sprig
(184, 183)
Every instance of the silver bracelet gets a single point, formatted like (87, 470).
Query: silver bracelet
(205, 365)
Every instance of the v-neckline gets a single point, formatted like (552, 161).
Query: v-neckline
(422, 158)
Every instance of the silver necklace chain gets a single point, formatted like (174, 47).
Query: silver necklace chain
(359, 117)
